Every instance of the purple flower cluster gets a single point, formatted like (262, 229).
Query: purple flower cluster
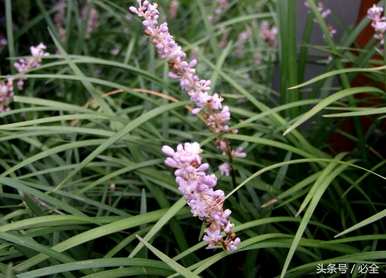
(23, 65)
(88, 14)
(239, 152)
(378, 22)
(241, 41)
(219, 10)
(223, 145)
(91, 16)
(205, 202)
(324, 13)
(6, 94)
(59, 18)
(216, 115)
(268, 33)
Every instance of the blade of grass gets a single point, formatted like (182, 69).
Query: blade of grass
(327, 101)
(363, 223)
(93, 264)
(30, 243)
(364, 112)
(9, 28)
(336, 72)
(288, 52)
(169, 261)
(172, 211)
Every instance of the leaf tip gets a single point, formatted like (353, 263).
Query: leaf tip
(287, 131)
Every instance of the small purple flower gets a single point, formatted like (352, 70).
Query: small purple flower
(222, 4)
(220, 8)
(268, 33)
(225, 169)
(380, 26)
(375, 14)
(218, 121)
(233, 245)
(23, 65)
(324, 13)
(38, 52)
(212, 237)
(241, 41)
(115, 51)
(197, 186)
(223, 145)
(332, 30)
(239, 152)
(90, 14)
(6, 94)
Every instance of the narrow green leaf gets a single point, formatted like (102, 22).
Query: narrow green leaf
(327, 101)
(363, 223)
(92, 264)
(169, 261)
(172, 211)
(362, 112)
(336, 72)
(30, 243)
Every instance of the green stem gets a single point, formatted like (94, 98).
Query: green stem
(9, 23)
(288, 52)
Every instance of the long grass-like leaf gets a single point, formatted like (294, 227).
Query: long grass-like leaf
(170, 262)
(327, 101)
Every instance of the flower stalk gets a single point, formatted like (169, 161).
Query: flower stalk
(194, 183)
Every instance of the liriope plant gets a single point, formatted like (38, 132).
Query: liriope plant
(84, 190)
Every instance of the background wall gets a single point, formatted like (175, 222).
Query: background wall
(343, 14)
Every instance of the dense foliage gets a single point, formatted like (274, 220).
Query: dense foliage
(84, 190)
